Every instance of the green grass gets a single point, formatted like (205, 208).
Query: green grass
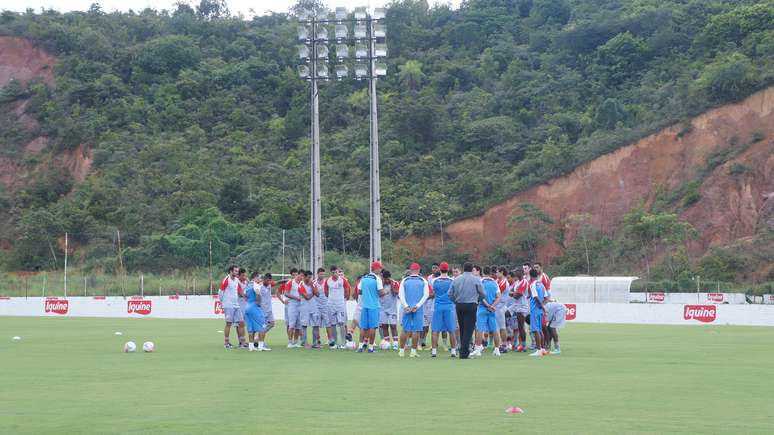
(68, 375)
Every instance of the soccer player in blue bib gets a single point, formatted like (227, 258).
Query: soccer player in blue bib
(371, 288)
(254, 318)
(414, 291)
(443, 313)
(486, 321)
(537, 309)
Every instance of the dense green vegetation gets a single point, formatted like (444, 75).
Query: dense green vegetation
(199, 123)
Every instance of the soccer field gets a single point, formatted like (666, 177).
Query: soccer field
(68, 375)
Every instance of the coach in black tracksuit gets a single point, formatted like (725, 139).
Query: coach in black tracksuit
(466, 292)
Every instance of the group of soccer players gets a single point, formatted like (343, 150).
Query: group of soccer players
(515, 304)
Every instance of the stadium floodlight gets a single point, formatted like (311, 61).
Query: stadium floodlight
(322, 70)
(322, 51)
(342, 51)
(304, 72)
(380, 31)
(360, 31)
(360, 13)
(361, 51)
(303, 52)
(303, 33)
(361, 70)
(341, 13)
(305, 15)
(342, 71)
(379, 13)
(380, 50)
(322, 33)
(342, 31)
(380, 69)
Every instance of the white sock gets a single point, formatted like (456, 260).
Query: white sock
(260, 345)
(251, 345)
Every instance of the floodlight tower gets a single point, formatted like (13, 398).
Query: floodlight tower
(369, 46)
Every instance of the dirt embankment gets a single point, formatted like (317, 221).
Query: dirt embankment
(606, 188)
(22, 61)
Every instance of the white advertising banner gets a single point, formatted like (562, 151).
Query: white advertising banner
(687, 298)
(201, 307)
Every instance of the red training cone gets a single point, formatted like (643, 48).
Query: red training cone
(514, 410)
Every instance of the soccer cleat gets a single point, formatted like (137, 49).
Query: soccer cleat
(265, 349)
(343, 347)
(496, 352)
(503, 349)
(538, 352)
(291, 346)
(315, 346)
(228, 345)
(244, 346)
(401, 353)
(371, 350)
(394, 347)
(556, 351)
(359, 350)
(453, 353)
(476, 353)
(414, 354)
(434, 353)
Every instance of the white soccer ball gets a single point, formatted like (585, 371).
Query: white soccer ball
(148, 346)
(350, 345)
(130, 347)
(385, 345)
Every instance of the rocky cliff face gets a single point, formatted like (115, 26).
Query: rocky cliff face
(21, 61)
(732, 195)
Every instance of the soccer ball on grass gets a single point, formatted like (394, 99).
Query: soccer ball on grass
(129, 347)
(148, 346)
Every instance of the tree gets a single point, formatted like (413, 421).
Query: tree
(650, 233)
(530, 228)
(411, 74)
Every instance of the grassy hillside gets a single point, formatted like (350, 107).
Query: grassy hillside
(199, 124)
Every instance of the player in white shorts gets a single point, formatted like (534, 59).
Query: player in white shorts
(520, 308)
(229, 294)
(556, 314)
(337, 289)
(355, 322)
(428, 307)
(321, 298)
(388, 313)
(294, 309)
(308, 308)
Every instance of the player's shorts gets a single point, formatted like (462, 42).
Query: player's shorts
(486, 321)
(427, 316)
(268, 315)
(337, 314)
(322, 313)
(557, 315)
(510, 322)
(413, 322)
(388, 318)
(357, 313)
(311, 318)
(536, 321)
(369, 318)
(500, 317)
(286, 315)
(294, 315)
(444, 319)
(254, 319)
(233, 315)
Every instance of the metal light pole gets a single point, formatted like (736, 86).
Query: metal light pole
(376, 212)
(315, 240)
(368, 29)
